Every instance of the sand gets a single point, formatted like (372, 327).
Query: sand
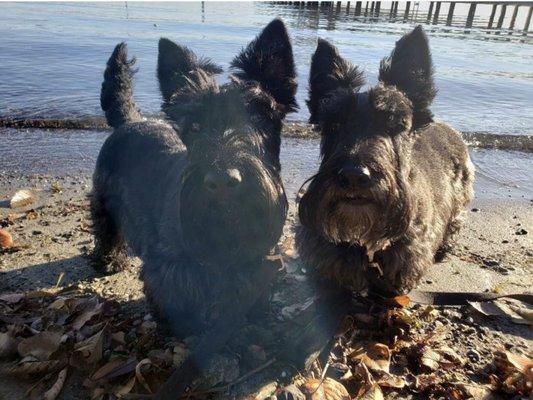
(494, 253)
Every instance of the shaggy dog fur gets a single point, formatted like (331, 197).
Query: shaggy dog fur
(389, 194)
(198, 198)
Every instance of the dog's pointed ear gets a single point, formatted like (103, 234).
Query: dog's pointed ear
(268, 60)
(329, 72)
(178, 69)
(410, 69)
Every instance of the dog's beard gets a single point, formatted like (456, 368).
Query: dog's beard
(358, 218)
(350, 223)
(237, 229)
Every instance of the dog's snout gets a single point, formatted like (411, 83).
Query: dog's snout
(355, 176)
(220, 182)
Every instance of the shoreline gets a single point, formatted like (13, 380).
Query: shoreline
(291, 129)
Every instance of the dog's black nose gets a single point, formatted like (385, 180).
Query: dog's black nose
(221, 182)
(355, 176)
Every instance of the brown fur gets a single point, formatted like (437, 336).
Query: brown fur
(381, 233)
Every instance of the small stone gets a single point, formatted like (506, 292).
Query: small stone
(521, 231)
(475, 209)
(473, 356)
(491, 263)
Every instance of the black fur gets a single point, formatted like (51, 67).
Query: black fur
(392, 183)
(117, 89)
(201, 247)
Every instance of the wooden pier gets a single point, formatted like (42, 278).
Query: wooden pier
(494, 17)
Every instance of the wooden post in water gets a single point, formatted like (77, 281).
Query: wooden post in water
(492, 15)
(348, 8)
(513, 18)
(396, 8)
(372, 8)
(430, 12)
(378, 8)
(436, 15)
(471, 13)
(366, 9)
(528, 20)
(358, 7)
(450, 13)
(407, 8)
(338, 7)
(502, 16)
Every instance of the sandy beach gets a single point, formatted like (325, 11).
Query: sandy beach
(52, 243)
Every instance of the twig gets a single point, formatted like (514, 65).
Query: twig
(136, 396)
(233, 383)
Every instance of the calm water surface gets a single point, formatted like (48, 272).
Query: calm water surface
(52, 56)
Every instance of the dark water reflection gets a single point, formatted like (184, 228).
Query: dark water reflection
(500, 174)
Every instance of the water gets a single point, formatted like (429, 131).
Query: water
(499, 174)
(53, 55)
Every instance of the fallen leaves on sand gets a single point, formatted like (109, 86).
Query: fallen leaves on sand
(513, 310)
(514, 373)
(52, 334)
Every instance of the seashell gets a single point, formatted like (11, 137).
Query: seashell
(22, 198)
(6, 241)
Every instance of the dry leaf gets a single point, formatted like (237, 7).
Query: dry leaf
(8, 344)
(329, 389)
(398, 301)
(6, 241)
(376, 356)
(12, 298)
(30, 366)
(374, 393)
(88, 352)
(86, 316)
(139, 375)
(125, 389)
(429, 359)
(22, 198)
(501, 309)
(53, 392)
(391, 381)
(107, 368)
(514, 372)
(40, 346)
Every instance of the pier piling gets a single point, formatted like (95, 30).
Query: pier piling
(407, 9)
(528, 20)
(436, 15)
(450, 13)
(492, 15)
(430, 12)
(513, 18)
(471, 13)
(502, 16)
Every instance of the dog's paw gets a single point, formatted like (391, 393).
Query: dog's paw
(110, 264)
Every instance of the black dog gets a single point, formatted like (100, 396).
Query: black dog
(200, 201)
(392, 184)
